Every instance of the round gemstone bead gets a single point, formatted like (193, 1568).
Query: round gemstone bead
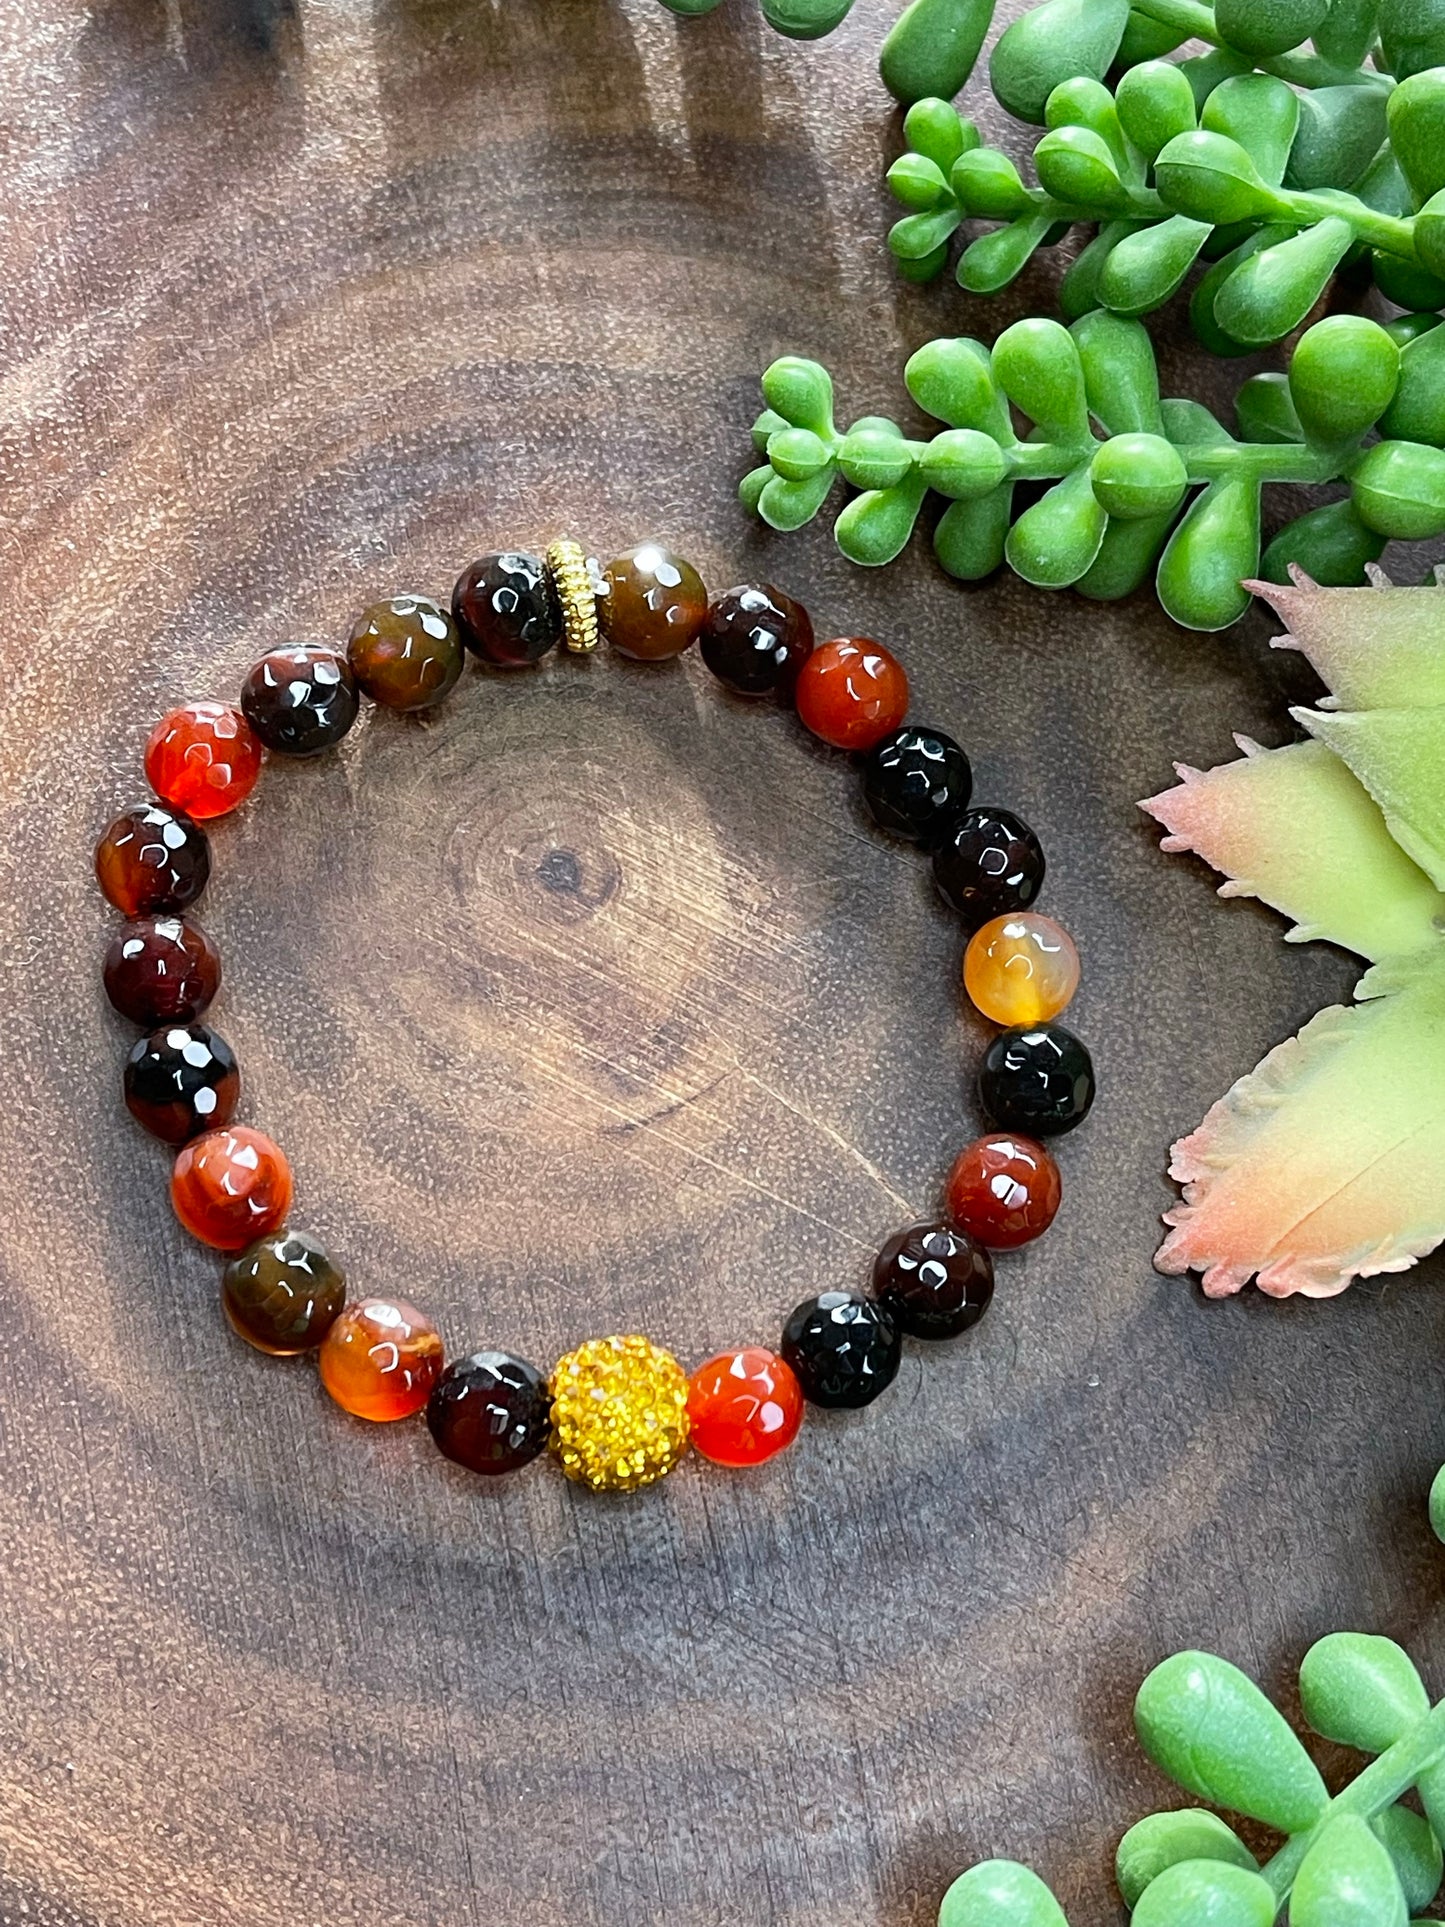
(507, 610)
(181, 1079)
(381, 1359)
(756, 639)
(844, 1348)
(405, 652)
(301, 699)
(152, 859)
(490, 1412)
(161, 970)
(851, 692)
(988, 863)
(916, 782)
(1021, 969)
(1004, 1190)
(652, 605)
(283, 1294)
(934, 1280)
(619, 1413)
(744, 1406)
(203, 758)
(1037, 1079)
(231, 1187)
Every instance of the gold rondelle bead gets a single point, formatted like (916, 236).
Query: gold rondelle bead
(619, 1413)
(574, 577)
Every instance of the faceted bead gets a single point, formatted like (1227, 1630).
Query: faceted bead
(181, 1079)
(152, 859)
(756, 639)
(851, 692)
(652, 605)
(934, 1280)
(744, 1406)
(619, 1413)
(283, 1294)
(988, 863)
(1038, 1079)
(843, 1347)
(381, 1359)
(231, 1187)
(916, 783)
(1021, 969)
(406, 652)
(300, 699)
(203, 758)
(507, 609)
(161, 970)
(1004, 1190)
(490, 1412)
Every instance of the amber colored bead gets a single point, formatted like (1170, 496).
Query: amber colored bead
(1021, 969)
(744, 1406)
(936, 1281)
(161, 970)
(756, 639)
(652, 605)
(619, 1413)
(231, 1187)
(283, 1294)
(490, 1412)
(406, 652)
(1003, 1190)
(851, 692)
(181, 1079)
(152, 859)
(203, 758)
(301, 699)
(507, 610)
(381, 1359)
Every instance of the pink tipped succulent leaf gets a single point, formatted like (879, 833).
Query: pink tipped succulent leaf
(1378, 648)
(1399, 756)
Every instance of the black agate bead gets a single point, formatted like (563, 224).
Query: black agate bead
(182, 1079)
(844, 1348)
(755, 639)
(935, 1280)
(988, 864)
(916, 782)
(490, 1412)
(507, 609)
(300, 700)
(1038, 1080)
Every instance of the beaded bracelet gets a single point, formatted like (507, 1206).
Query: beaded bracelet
(617, 1412)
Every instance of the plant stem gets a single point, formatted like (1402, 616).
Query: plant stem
(1192, 18)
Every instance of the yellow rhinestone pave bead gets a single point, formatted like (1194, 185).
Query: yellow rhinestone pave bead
(572, 577)
(619, 1413)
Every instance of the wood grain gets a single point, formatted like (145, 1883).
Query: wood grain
(591, 1004)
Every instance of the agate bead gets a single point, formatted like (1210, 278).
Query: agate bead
(381, 1359)
(916, 782)
(283, 1294)
(935, 1281)
(1037, 1079)
(152, 859)
(161, 970)
(405, 652)
(755, 639)
(203, 758)
(490, 1412)
(744, 1406)
(652, 605)
(301, 699)
(1004, 1190)
(181, 1079)
(1021, 969)
(844, 1348)
(619, 1413)
(507, 610)
(231, 1187)
(988, 863)
(851, 692)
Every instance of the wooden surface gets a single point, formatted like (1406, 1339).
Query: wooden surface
(592, 1004)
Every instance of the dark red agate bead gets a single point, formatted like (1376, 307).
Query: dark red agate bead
(507, 610)
(988, 863)
(756, 639)
(851, 692)
(161, 970)
(1004, 1190)
(934, 1280)
(490, 1412)
(152, 859)
(301, 699)
(181, 1079)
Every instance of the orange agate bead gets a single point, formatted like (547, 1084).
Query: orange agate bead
(1021, 969)
(744, 1406)
(851, 692)
(203, 758)
(231, 1187)
(381, 1359)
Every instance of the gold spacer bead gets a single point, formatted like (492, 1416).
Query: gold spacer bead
(574, 578)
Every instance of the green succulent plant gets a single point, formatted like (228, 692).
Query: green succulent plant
(798, 19)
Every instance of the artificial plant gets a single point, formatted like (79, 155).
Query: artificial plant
(798, 19)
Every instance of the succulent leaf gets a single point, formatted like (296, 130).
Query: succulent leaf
(1399, 756)
(1000, 1893)
(1361, 1690)
(1162, 1840)
(1347, 1879)
(1376, 648)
